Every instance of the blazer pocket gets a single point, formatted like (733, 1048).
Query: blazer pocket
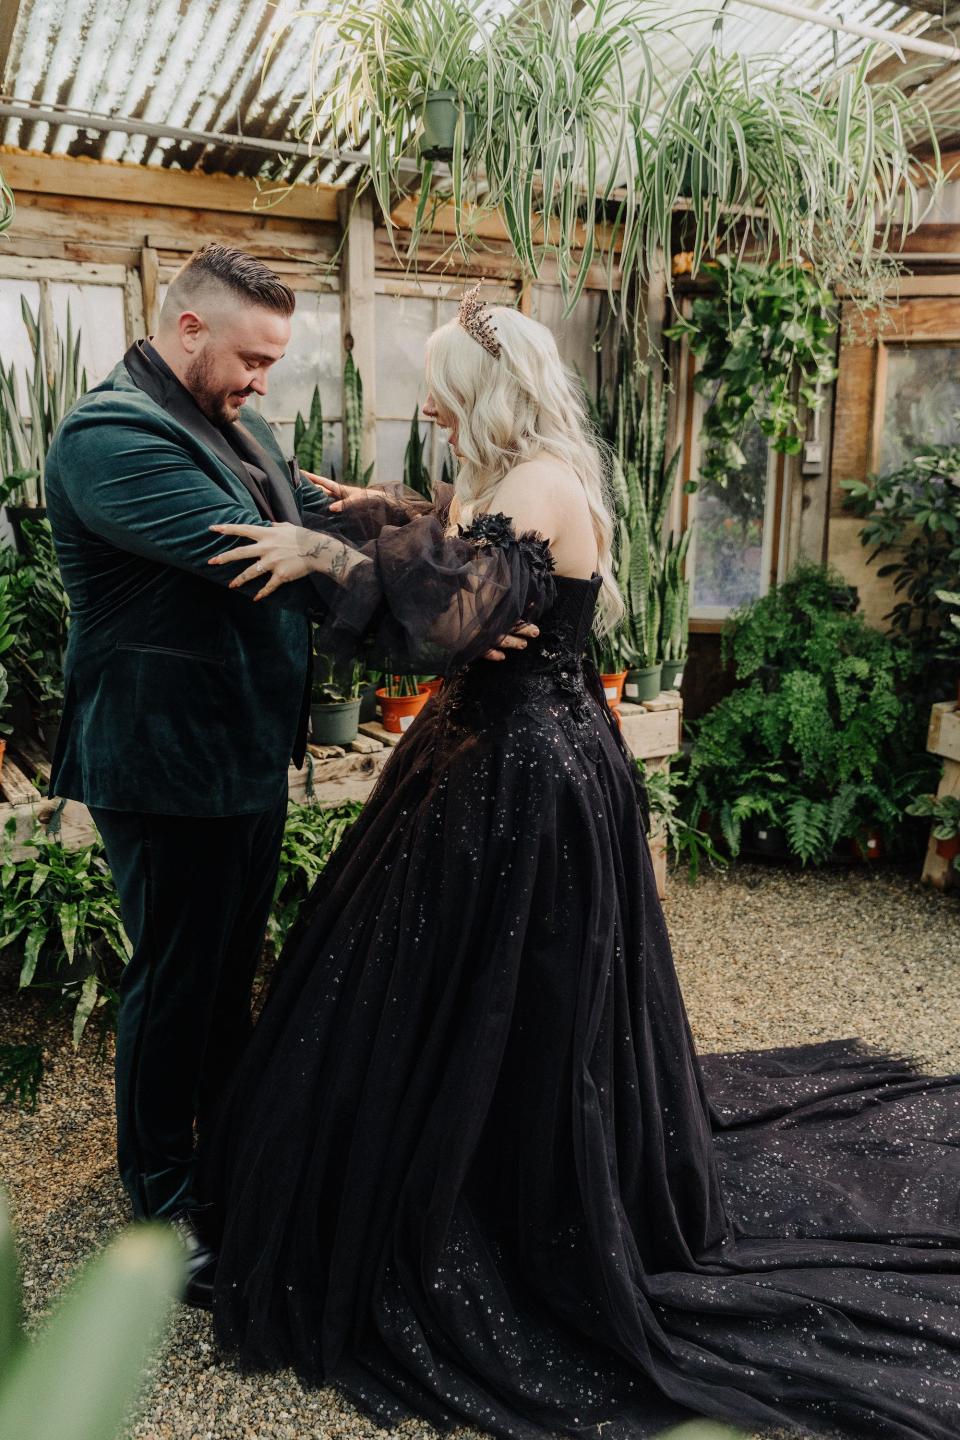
(168, 650)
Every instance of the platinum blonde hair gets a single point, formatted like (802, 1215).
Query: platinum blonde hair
(524, 404)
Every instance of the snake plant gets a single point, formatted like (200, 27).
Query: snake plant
(55, 385)
(308, 435)
(415, 473)
(353, 474)
(8, 206)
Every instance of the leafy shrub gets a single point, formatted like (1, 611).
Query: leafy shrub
(310, 837)
(822, 736)
(912, 523)
(59, 908)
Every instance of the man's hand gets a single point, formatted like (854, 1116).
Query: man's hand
(516, 640)
(338, 491)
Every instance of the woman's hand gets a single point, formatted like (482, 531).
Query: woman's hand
(341, 492)
(288, 552)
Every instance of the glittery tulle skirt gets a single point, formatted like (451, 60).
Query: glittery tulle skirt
(472, 1168)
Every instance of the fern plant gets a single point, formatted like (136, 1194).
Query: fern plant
(822, 736)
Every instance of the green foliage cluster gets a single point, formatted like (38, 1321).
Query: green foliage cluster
(310, 836)
(353, 472)
(944, 811)
(822, 736)
(765, 343)
(912, 517)
(59, 909)
(685, 841)
(78, 1379)
(52, 388)
(308, 436)
(34, 621)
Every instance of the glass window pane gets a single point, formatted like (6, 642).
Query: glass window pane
(14, 340)
(332, 443)
(922, 402)
(403, 323)
(97, 312)
(392, 439)
(728, 554)
(314, 357)
(574, 335)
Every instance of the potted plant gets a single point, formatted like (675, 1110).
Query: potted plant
(944, 811)
(674, 611)
(308, 436)
(607, 655)
(335, 702)
(401, 700)
(822, 738)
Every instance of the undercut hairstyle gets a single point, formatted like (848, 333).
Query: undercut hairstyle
(242, 275)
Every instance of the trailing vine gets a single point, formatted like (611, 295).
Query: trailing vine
(765, 343)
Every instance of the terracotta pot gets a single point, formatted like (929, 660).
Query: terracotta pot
(613, 687)
(398, 712)
(434, 686)
(948, 849)
(3, 746)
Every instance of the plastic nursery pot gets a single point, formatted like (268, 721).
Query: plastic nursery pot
(946, 849)
(671, 677)
(868, 846)
(644, 684)
(398, 712)
(441, 109)
(613, 687)
(762, 838)
(336, 723)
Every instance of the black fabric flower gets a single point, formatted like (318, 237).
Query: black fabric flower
(498, 530)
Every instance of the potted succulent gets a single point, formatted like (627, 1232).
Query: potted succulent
(401, 700)
(335, 702)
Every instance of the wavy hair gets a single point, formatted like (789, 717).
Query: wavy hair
(524, 404)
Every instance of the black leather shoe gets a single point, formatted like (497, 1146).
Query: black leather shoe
(201, 1261)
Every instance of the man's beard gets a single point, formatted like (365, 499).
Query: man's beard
(216, 404)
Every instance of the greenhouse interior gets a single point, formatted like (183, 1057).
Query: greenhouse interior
(675, 291)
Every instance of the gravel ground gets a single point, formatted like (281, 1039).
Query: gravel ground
(767, 956)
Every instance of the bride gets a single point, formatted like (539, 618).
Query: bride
(472, 1168)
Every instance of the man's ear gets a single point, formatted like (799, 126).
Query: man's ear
(191, 329)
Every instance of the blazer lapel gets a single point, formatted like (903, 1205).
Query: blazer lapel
(278, 486)
(178, 403)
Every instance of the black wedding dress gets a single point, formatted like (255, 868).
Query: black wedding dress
(472, 1168)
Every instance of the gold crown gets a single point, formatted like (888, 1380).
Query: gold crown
(474, 318)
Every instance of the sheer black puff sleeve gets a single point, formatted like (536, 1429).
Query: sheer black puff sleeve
(364, 516)
(416, 600)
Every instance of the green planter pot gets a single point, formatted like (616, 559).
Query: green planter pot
(643, 684)
(440, 112)
(335, 724)
(672, 674)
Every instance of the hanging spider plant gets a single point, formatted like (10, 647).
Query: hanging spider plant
(7, 206)
(759, 163)
(50, 392)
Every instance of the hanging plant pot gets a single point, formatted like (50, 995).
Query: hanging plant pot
(671, 676)
(441, 111)
(644, 684)
(398, 712)
(335, 723)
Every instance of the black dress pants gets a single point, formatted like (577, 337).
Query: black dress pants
(195, 897)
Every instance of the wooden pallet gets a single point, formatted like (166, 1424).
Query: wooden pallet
(943, 738)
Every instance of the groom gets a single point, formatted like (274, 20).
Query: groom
(184, 701)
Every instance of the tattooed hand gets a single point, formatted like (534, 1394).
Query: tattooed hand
(284, 552)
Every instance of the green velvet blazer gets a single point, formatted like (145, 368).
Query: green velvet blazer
(182, 697)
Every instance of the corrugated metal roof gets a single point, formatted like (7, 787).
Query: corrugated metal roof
(198, 65)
